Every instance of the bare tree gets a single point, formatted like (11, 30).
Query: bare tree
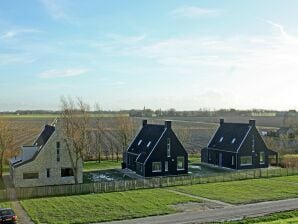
(74, 125)
(6, 141)
(125, 131)
(184, 135)
(99, 132)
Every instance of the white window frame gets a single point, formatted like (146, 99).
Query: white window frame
(245, 164)
(262, 162)
(156, 171)
(183, 162)
(140, 142)
(221, 139)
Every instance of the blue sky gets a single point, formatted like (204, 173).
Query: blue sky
(159, 54)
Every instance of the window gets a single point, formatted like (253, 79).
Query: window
(48, 173)
(149, 143)
(66, 172)
(209, 156)
(166, 166)
(233, 160)
(58, 151)
(156, 167)
(221, 139)
(233, 141)
(262, 157)
(168, 147)
(140, 142)
(180, 163)
(27, 176)
(245, 160)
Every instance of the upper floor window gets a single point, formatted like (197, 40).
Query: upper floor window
(233, 141)
(140, 142)
(168, 147)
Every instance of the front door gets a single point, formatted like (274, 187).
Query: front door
(220, 159)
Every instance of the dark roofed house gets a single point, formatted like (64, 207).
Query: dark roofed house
(237, 146)
(156, 151)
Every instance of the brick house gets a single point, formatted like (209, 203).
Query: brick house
(45, 162)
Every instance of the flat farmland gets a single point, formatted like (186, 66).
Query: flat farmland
(194, 132)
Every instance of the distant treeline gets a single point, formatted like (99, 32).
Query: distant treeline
(175, 113)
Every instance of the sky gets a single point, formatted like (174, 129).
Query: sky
(123, 54)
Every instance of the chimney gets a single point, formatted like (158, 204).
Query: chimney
(168, 124)
(221, 121)
(252, 122)
(144, 122)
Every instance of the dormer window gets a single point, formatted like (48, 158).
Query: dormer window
(233, 141)
(140, 142)
(149, 143)
(221, 139)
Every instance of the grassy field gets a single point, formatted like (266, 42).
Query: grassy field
(290, 217)
(246, 191)
(103, 165)
(103, 207)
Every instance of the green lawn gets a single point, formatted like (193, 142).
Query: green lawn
(246, 191)
(5, 204)
(103, 207)
(290, 217)
(103, 165)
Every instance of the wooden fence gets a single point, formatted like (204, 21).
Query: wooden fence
(126, 185)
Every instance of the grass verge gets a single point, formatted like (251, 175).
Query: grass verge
(290, 217)
(245, 191)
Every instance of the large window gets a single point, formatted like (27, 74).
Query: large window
(180, 163)
(245, 160)
(168, 147)
(66, 172)
(262, 157)
(27, 176)
(156, 167)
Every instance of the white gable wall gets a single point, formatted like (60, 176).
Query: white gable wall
(47, 159)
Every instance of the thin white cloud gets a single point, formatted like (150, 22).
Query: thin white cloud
(278, 26)
(194, 12)
(54, 73)
(17, 32)
(55, 10)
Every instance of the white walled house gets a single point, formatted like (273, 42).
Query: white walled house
(46, 162)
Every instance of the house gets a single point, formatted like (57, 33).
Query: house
(156, 151)
(45, 162)
(237, 146)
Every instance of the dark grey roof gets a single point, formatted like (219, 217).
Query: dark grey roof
(44, 135)
(229, 136)
(39, 142)
(150, 133)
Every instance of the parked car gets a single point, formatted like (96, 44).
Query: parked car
(7, 215)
